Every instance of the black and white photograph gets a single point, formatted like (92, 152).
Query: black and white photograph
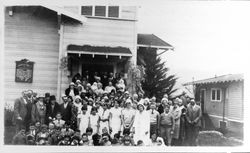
(154, 73)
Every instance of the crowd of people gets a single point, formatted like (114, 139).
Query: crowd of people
(101, 112)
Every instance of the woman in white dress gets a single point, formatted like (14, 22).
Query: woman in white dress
(115, 119)
(94, 120)
(141, 125)
(104, 120)
(83, 120)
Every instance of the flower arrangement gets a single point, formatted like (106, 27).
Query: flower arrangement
(8, 115)
(64, 63)
(137, 74)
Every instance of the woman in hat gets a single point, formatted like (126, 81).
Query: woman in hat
(71, 90)
(176, 111)
(75, 110)
(141, 126)
(104, 119)
(128, 115)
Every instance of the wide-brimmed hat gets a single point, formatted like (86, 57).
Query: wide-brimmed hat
(128, 101)
(72, 84)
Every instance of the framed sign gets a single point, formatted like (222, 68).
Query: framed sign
(24, 71)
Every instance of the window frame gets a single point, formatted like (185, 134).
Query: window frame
(87, 6)
(216, 90)
(106, 11)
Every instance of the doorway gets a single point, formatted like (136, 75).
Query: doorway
(99, 68)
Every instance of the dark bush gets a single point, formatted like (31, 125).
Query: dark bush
(8, 116)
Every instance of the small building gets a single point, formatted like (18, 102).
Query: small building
(222, 99)
(45, 46)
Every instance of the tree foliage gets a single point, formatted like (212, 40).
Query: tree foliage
(157, 79)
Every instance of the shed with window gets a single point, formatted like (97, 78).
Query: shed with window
(222, 100)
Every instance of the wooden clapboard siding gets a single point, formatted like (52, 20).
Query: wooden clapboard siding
(36, 38)
(128, 12)
(73, 9)
(101, 32)
(235, 109)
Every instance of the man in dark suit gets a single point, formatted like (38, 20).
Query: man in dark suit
(30, 101)
(193, 117)
(65, 108)
(20, 112)
(52, 109)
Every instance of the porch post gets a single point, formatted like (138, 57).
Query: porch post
(60, 55)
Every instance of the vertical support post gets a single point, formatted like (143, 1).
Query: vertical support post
(60, 55)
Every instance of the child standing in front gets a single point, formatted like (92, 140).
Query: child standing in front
(94, 120)
(83, 120)
(166, 125)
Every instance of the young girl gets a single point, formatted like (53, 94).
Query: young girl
(83, 120)
(115, 118)
(94, 120)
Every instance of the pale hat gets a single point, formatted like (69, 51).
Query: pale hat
(126, 92)
(128, 101)
(164, 99)
(141, 103)
(72, 84)
(78, 97)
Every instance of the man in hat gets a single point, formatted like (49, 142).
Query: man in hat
(20, 111)
(38, 112)
(47, 98)
(128, 115)
(52, 109)
(66, 107)
(71, 90)
(193, 117)
(30, 101)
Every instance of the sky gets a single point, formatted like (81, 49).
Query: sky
(210, 37)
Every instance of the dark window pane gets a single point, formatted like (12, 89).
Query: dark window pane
(218, 95)
(113, 11)
(213, 94)
(100, 11)
(87, 10)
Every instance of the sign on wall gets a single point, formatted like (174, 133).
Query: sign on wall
(24, 71)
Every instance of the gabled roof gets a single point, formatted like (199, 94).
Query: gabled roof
(151, 40)
(219, 79)
(61, 10)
